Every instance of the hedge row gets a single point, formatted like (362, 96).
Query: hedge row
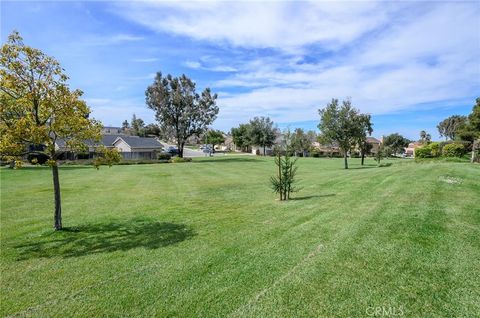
(435, 150)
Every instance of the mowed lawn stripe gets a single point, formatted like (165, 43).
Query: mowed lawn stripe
(234, 241)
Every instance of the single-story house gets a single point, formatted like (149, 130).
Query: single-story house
(130, 147)
(375, 144)
(410, 149)
(133, 147)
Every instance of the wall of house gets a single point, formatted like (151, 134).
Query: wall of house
(122, 146)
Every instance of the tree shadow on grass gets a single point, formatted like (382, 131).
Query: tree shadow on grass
(104, 238)
(308, 197)
(226, 160)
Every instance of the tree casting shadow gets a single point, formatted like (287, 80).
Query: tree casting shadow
(308, 197)
(104, 238)
(226, 160)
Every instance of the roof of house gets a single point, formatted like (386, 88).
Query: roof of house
(139, 142)
(373, 140)
(109, 140)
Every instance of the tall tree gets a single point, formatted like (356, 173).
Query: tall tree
(262, 132)
(179, 109)
(241, 136)
(138, 126)
(450, 126)
(425, 137)
(301, 142)
(215, 137)
(152, 130)
(365, 129)
(38, 110)
(341, 124)
(125, 125)
(396, 143)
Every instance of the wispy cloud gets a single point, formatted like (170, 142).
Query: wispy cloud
(145, 60)
(387, 57)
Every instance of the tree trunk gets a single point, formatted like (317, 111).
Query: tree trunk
(279, 156)
(346, 160)
(180, 149)
(474, 150)
(264, 151)
(58, 204)
(363, 157)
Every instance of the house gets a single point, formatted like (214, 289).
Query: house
(113, 131)
(133, 147)
(375, 144)
(332, 149)
(410, 150)
(130, 147)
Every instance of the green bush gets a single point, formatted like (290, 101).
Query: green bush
(164, 156)
(432, 150)
(179, 160)
(453, 150)
(435, 150)
(423, 152)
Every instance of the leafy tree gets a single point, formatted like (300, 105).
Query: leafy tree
(365, 148)
(451, 125)
(241, 136)
(138, 126)
(383, 152)
(179, 109)
(365, 129)
(152, 130)
(341, 124)
(396, 143)
(302, 142)
(425, 137)
(215, 137)
(37, 110)
(262, 132)
(125, 125)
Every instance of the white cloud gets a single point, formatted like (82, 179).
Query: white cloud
(145, 60)
(386, 56)
(283, 25)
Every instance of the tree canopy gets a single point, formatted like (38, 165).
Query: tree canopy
(241, 136)
(302, 142)
(344, 125)
(38, 110)
(179, 109)
(262, 132)
(215, 137)
(450, 126)
(395, 143)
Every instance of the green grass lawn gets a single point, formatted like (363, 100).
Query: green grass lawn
(209, 239)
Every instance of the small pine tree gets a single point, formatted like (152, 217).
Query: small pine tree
(284, 182)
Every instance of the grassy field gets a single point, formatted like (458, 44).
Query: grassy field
(209, 239)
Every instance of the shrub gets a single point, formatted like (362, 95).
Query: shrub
(435, 150)
(423, 152)
(179, 160)
(37, 158)
(164, 156)
(454, 150)
(431, 150)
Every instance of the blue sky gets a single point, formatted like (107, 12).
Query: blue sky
(409, 64)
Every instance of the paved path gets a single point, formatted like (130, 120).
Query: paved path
(187, 152)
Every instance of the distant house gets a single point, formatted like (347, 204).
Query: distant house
(113, 131)
(410, 150)
(133, 147)
(332, 149)
(130, 147)
(375, 144)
